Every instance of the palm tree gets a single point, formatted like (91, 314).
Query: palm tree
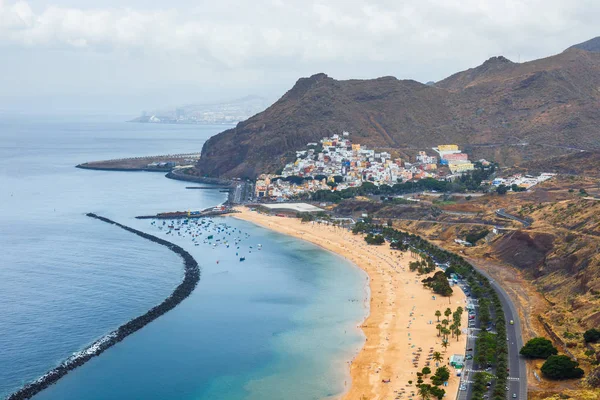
(445, 322)
(452, 329)
(445, 345)
(438, 314)
(424, 391)
(439, 328)
(448, 312)
(457, 332)
(445, 332)
(437, 356)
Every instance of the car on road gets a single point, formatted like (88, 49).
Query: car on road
(463, 387)
(469, 357)
(512, 322)
(471, 349)
(514, 395)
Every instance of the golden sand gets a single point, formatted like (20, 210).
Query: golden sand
(400, 329)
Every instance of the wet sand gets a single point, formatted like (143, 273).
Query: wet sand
(400, 329)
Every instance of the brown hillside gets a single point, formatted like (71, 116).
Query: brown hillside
(581, 163)
(501, 110)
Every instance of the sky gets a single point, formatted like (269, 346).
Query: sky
(125, 56)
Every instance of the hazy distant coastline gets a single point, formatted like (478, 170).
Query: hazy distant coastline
(223, 113)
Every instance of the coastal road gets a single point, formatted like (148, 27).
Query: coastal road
(517, 377)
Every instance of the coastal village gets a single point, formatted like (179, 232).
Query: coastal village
(336, 163)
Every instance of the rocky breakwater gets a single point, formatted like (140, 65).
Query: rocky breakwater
(183, 290)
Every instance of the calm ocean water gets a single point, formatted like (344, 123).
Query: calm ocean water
(282, 324)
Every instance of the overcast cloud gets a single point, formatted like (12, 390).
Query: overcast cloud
(122, 56)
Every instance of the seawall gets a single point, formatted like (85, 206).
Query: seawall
(183, 290)
(179, 175)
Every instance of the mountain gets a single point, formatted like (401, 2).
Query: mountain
(229, 112)
(589, 45)
(503, 111)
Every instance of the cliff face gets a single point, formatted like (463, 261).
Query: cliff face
(501, 110)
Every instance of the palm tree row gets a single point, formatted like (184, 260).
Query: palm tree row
(445, 328)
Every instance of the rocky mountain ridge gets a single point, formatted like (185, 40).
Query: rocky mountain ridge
(503, 111)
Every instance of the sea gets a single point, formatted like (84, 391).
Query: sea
(280, 325)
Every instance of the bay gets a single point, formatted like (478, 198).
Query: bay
(281, 324)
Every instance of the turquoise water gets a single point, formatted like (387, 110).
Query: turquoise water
(282, 324)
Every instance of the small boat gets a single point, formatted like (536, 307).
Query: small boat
(242, 258)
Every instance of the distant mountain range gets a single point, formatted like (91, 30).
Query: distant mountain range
(502, 111)
(230, 112)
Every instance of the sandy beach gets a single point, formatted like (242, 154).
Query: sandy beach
(400, 329)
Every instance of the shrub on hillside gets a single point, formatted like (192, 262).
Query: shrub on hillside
(538, 347)
(591, 335)
(561, 367)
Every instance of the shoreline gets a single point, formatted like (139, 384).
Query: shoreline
(400, 318)
(180, 293)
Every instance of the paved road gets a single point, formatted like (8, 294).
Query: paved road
(517, 382)
(504, 214)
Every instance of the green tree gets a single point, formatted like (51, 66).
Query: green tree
(438, 314)
(442, 374)
(561, 367)
(457, 332)
(448, 312)
(374, 239)
(424, 391)
(437, 356)
(538, 347)
(445, 345)
(437, 392)
(502, 189)
(426, 371)
(591, 335)
(446, 332)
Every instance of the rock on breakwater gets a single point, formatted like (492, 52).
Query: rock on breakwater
(183, 290)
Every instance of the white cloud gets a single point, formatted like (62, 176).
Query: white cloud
(242, 41)
(324, 30)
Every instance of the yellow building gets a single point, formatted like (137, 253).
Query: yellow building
(462, 167)
(355, 147)
(448, 147)
(327, 143)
